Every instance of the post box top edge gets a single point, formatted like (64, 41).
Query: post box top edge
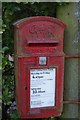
(28, 20)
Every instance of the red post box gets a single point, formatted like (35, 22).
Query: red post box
(39, 66)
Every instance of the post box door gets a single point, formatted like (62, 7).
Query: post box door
(40, 87)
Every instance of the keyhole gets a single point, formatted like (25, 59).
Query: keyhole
(25, 88)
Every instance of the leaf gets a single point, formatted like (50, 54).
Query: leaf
(5, 48)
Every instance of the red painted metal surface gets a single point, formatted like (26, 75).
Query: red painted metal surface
(71, 102)
(38, 37)
(72, 56)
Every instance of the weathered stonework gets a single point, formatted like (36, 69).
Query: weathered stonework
(70, 15)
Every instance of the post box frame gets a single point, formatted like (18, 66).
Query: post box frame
(27, 57)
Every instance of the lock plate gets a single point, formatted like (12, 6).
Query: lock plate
(42, 60)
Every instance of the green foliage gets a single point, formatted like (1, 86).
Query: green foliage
(12, 12)
(62, 3)
(15, 11)
(14, 115)
(8, 78)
